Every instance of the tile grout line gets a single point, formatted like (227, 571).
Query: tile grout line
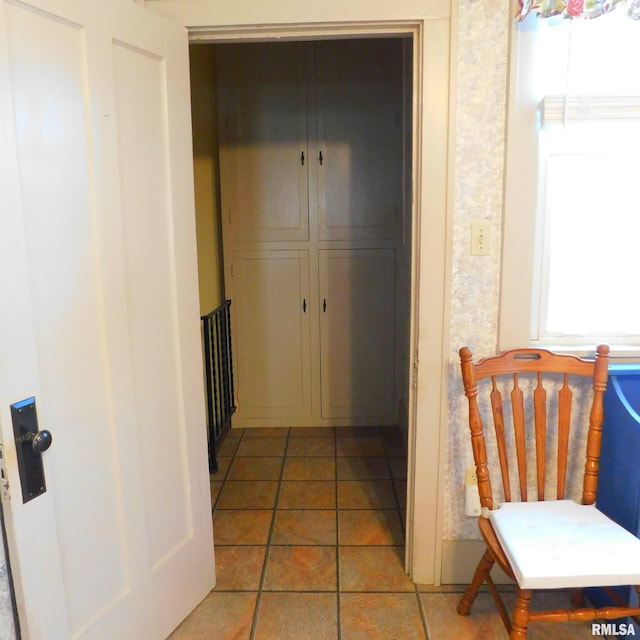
(338, 576)
(395, 491)
(214, 506)
(263, 575)
(423, 615)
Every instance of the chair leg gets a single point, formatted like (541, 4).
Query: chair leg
(520, 615)
(482, 571)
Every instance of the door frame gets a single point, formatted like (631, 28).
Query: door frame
(431, 184)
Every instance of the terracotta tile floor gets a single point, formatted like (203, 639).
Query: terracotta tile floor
(309, 542)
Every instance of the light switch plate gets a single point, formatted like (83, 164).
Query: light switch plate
(480, 239)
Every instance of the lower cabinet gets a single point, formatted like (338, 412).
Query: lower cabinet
(314, 337)
(357, 333)
(271, 334)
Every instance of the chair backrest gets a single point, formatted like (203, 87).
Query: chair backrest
(541, 365)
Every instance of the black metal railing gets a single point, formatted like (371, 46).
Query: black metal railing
(218, 368)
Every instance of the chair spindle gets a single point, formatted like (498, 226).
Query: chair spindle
(540, 423)
(498, 423)
(565, 398)
(517, 404)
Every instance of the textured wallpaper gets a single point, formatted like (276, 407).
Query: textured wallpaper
(481, 92)
(481, 86)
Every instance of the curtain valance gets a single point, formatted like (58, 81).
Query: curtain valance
(576, 8)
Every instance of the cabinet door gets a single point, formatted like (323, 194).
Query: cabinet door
(263, 141)
(360, 124)
(357, 333)
(270, 299)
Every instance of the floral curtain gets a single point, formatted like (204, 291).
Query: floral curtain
(576, 8)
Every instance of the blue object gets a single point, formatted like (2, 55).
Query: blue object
(619, 478)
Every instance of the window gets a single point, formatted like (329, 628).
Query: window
(573, 186)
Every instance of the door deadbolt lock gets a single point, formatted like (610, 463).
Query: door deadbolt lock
(30, 444)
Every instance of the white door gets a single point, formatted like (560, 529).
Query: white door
(100, 320)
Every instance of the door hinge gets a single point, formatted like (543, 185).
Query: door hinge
(414, 382)
(5, 489)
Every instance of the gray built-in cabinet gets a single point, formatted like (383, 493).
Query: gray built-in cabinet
(313, 200)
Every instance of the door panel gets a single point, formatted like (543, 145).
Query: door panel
(147, 215)
(357, 333)
(359, 111)
(263, 134)
(67, 318)
(98, 236)
(271, 299)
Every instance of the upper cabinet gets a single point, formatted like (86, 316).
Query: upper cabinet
(263, 141)
(311, 140)
(359, 135)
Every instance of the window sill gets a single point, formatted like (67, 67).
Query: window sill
(620, 353)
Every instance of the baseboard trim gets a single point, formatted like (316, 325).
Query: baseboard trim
(459, 561)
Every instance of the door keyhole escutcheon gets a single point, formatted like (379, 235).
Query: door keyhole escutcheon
(31, 443)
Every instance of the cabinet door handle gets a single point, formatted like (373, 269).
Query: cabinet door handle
(320, 158)
(302, 158)
(304, 305)
(324, 305)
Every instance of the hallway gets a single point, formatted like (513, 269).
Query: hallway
(309, 543)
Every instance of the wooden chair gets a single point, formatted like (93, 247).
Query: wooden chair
(542, 542)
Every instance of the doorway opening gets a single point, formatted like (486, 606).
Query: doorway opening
(303, 170)
(336, 229)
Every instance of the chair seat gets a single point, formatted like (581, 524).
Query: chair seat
(559, 543)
